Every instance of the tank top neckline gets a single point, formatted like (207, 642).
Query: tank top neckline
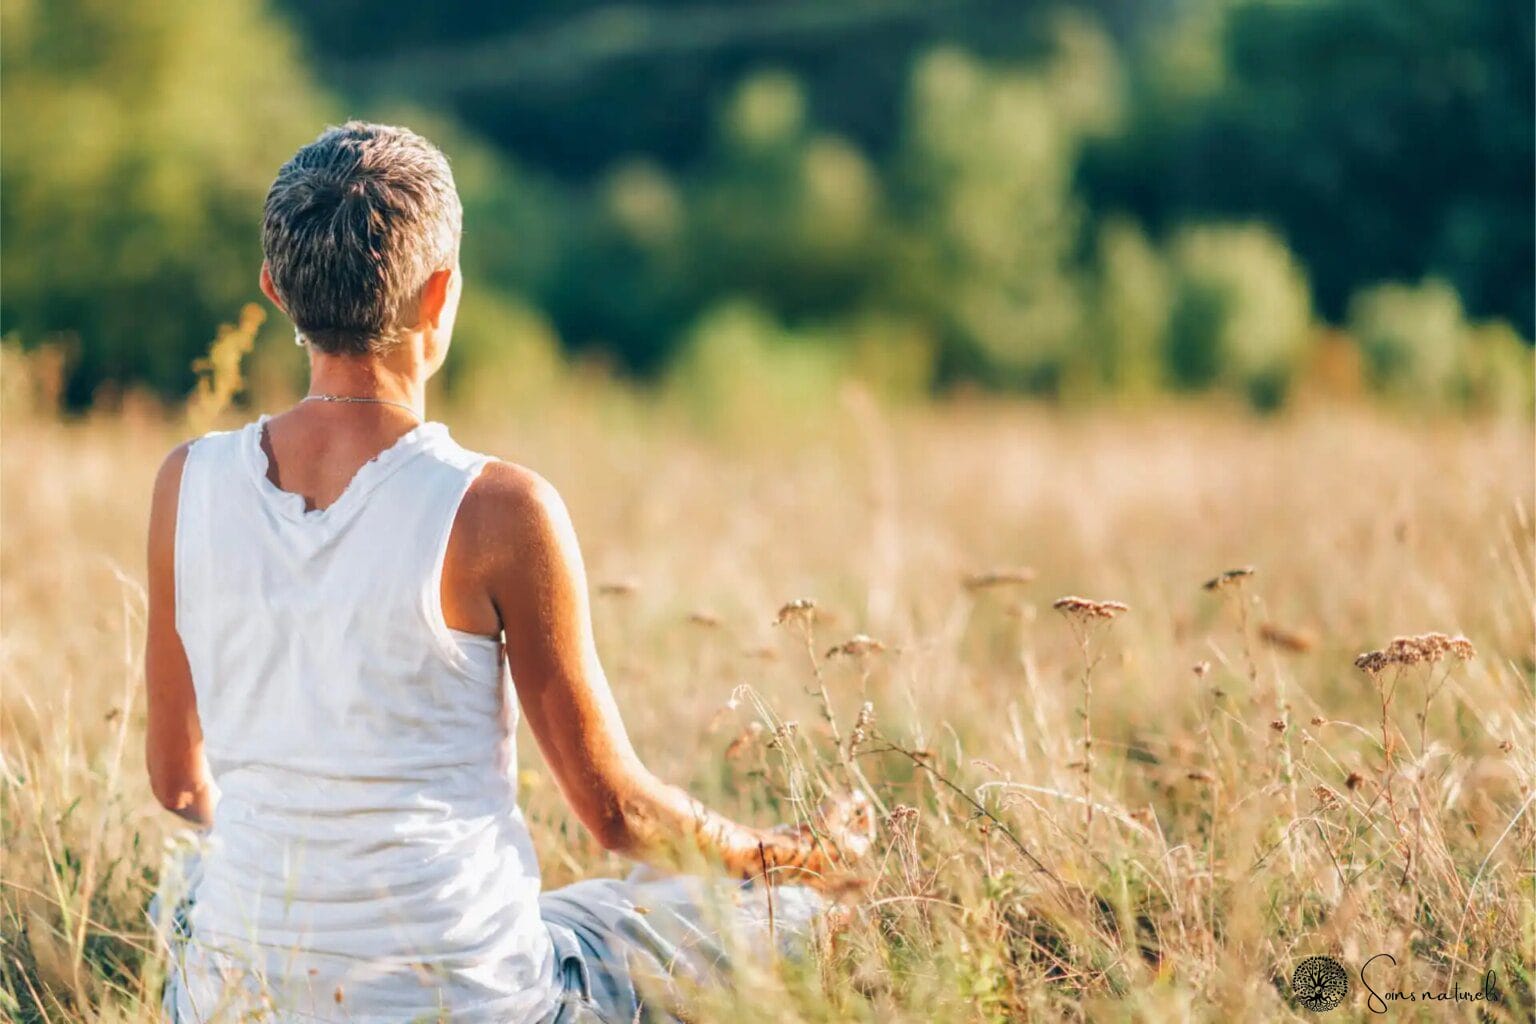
(367, 477)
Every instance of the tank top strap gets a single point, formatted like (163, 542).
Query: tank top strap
(422, 502)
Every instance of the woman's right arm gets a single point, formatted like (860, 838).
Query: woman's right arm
(173, 746)
(538, 585)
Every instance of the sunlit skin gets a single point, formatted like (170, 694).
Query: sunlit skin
(513, 569)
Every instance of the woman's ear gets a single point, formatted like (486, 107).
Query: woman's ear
(434, 298)
(268, 288)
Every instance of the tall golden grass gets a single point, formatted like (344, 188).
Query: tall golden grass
(1147, 807)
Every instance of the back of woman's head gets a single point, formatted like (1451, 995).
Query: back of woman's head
(354, 225)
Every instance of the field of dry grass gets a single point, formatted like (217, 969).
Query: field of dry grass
(1237, 798)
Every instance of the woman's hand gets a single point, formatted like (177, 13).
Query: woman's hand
(821, 853)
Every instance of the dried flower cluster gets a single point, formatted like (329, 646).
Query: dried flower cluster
(784, 733)
(861, 725)
(856, 646)
(1426, 649)
(902, 818)
(801, 609)
(1083, 608)
(1229, 578)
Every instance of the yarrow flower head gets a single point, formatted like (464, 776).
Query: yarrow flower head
(856, 646)
(1425, 649)
(1230, 578)
(801, 609)
(1083, 608)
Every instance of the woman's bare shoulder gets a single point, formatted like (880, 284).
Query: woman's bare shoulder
(512, 503)
(168, 479)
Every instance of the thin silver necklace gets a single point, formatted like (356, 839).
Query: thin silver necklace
(355, 399)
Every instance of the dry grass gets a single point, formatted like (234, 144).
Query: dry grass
(1240, 798)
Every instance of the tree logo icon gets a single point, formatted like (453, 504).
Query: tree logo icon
(1319, 983)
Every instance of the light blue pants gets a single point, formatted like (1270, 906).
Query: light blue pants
(622, 947)
(626, 950)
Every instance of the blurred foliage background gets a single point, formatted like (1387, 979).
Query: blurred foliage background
(1095, 200)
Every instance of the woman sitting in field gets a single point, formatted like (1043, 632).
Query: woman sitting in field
(341, 598)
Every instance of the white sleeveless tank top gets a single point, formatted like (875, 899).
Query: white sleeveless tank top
(368, 861)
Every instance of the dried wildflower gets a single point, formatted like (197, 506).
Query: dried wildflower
(861, 726)
(902, 816)
(1277, 724)
(618, 588)
(1202, 669)
(705, 618)
(856, 646)
(1319, 720)
(1296, 641)
(1405, 650)
(1084, 608)
(999, 578)
(1231, 577)
(1424, 649)
(801, 609)
(785, 733)
(1353, 780)
(1371, 662)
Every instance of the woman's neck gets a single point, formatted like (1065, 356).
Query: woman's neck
(388, 378)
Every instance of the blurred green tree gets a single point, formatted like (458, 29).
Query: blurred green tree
(1242, 312)
(140, 140)
(1386, 139)
(990, 225)
(1420, 346)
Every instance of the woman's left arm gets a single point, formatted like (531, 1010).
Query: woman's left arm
(178, 770)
